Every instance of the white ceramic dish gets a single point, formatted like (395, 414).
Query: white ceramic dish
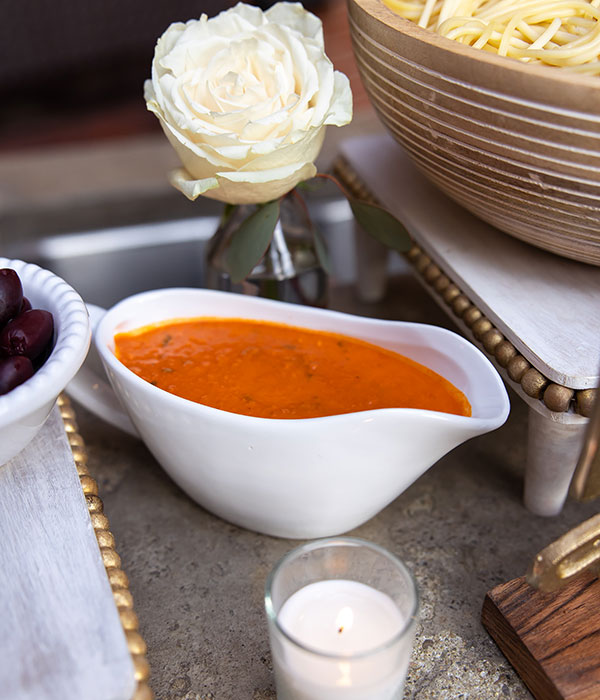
(24, 410)
(295, 478)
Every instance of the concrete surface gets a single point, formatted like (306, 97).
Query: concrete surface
(198, 581)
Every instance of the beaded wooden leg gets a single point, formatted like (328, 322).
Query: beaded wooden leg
(112, 562)
(553, 449)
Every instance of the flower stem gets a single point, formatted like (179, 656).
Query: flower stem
(328, 176)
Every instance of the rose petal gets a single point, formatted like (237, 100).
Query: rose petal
(243, 188)
(294, 16)
(340, 111)
(191, 188)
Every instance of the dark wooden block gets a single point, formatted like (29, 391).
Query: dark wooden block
(551, 639)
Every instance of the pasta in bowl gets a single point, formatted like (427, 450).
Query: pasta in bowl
(513, 139)
(561, 33)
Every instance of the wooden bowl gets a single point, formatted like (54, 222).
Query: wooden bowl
(517, 144)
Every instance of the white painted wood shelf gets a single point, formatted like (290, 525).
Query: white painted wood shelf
(548, 307)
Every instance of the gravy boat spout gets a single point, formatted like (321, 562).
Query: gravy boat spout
(298, 478)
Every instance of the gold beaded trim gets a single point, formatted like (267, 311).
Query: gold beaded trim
(106, 541)
(555, 397)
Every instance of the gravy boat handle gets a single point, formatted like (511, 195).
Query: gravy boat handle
(91, 388)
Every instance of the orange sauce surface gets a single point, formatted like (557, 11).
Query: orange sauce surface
(271, 370)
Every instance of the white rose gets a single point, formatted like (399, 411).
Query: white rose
(244, 99)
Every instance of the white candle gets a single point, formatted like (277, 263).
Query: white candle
(335, 624)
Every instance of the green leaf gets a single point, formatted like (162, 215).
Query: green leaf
(321, 250)
(380, 224)
(249, 243)
(228, 210)
(311, 185)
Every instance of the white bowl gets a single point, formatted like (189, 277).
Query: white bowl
(299, 478)
(24, 410)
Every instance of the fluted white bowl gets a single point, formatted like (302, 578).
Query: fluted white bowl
(24, 410)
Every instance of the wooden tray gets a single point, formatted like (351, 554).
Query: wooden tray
(551, 639)
(66, 612)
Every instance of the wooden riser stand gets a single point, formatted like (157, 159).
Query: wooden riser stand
(551, 639)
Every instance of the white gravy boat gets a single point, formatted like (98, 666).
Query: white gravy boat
(302, 478)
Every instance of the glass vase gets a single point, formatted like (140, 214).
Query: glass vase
(289, 270)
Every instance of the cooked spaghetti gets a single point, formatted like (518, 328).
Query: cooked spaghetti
(563, 33)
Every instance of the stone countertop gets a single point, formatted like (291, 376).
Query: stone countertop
(198, 581)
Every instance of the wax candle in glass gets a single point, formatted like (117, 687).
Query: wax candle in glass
(341, 615)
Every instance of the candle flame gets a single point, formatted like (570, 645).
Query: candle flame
(344, 619)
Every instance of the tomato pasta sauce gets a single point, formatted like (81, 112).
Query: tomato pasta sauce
(272, 370)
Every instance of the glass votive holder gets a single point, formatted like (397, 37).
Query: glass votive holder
(342, 615)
